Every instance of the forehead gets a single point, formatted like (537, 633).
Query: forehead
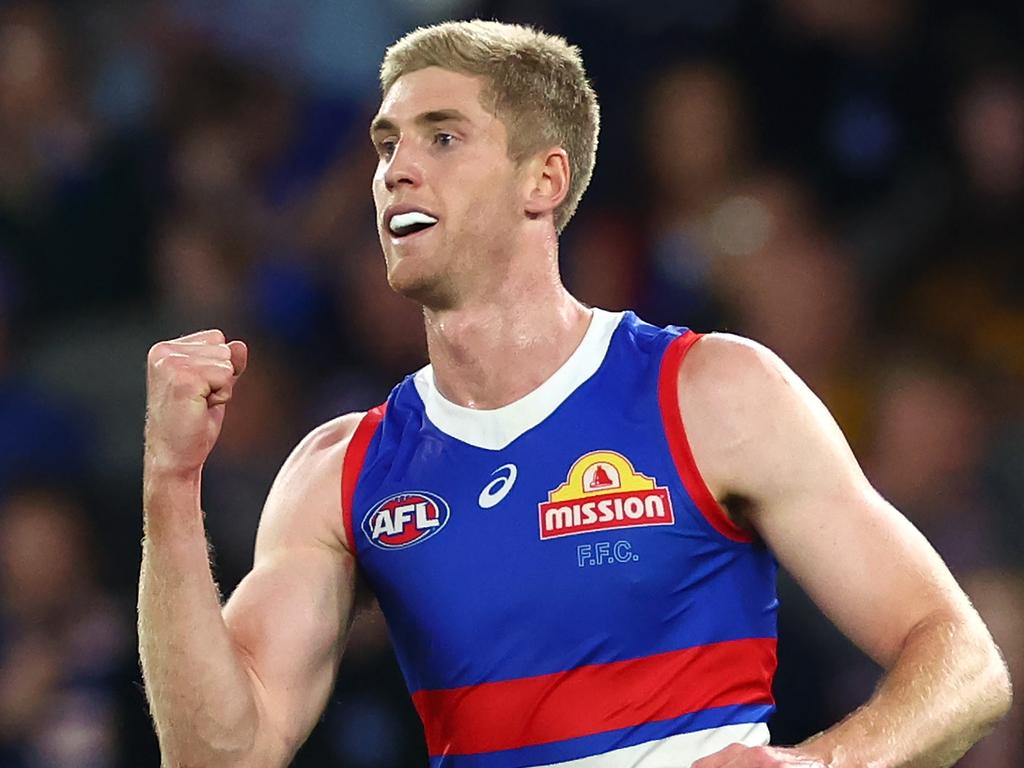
(434, 89)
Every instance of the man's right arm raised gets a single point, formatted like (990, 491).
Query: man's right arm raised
(241, 684)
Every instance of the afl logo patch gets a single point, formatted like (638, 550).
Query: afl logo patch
(405, 519)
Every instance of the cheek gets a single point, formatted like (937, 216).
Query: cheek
(481, 218)
(495, 199)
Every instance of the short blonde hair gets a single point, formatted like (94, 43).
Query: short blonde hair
(537, 88)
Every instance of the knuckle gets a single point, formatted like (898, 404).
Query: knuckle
(157, 352)
(168, 363)
(220, 368)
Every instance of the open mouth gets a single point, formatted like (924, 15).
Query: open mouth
(405, 224)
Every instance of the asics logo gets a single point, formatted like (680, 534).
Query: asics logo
(498, 488)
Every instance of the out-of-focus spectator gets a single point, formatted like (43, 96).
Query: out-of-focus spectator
(990, 133)
(694, 139)
(335, 46)
(72, 207)
(965, 292)
(40, 434)
(46, 137)
(969, 298)
(696, 146)
(198, 268)
(850, 94)
(927, 452)
(695, 149)
(786, 282)
(65, 644)
(865, 22)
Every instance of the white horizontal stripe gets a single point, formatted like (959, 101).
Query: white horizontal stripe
(679, 751)
(494, 429)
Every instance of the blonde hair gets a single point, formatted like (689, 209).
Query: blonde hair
(536, 86)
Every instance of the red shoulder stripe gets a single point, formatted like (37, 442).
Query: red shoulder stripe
(686, 466)
(352, 467)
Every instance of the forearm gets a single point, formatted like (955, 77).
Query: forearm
(200, 693)
(947, 689)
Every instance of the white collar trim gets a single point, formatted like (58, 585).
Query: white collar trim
(496, 428)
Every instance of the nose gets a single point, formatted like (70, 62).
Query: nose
(402, 167)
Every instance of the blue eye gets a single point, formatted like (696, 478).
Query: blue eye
(444, 139)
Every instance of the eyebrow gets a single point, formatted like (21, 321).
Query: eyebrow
(433, 117)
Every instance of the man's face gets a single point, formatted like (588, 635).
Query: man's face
(446, 190)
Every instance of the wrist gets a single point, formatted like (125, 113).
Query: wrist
(158, 468)
(170, 491)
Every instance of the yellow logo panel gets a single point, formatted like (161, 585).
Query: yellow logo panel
(603, 490)
(600, 472)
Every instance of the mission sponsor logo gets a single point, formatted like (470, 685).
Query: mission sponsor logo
(603, 492)
(405, 519)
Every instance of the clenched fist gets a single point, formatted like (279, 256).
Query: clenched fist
(188, 382)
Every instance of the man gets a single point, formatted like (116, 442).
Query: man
(570, 575)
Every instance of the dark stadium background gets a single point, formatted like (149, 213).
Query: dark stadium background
(841, 181)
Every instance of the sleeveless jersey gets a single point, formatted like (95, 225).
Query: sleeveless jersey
(560, 585)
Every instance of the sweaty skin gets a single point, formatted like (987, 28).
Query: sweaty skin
(244, 684)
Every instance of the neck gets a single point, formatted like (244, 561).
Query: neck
(491, 352)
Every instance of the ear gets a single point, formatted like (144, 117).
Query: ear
(547, 181)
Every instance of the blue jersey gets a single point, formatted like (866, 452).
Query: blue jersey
(560, 585)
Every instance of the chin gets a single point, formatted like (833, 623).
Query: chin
(430, 290)
(409, 279)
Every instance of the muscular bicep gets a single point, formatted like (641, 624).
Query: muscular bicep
(761, 435)
(290, 616)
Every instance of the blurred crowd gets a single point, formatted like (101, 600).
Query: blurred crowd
(843, 182)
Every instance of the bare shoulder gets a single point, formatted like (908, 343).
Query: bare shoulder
(730, 385)
(744, 410)
(324, 447)
(305, 500)
(730, 368)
